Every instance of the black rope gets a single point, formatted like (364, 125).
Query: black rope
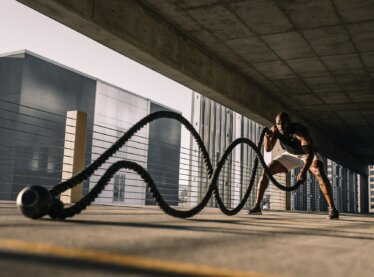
(59, 212)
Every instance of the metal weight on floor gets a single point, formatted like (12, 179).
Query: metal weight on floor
(34, 201)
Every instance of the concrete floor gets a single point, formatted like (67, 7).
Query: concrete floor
(103, 239)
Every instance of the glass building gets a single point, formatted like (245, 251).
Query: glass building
(35, 95)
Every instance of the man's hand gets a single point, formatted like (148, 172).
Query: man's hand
(301, 177)
(272, 132)
(271, 137)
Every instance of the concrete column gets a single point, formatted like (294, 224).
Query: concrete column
(74, 152)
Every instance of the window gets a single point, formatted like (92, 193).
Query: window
(119, 188)
(123, 151)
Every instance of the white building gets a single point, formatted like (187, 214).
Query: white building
(371, 189)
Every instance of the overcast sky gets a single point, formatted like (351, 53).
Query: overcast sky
(24, 28)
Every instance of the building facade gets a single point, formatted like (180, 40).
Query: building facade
(32, 140)
(344, 184)
(35, 95)
(371, 189)
(218, 126)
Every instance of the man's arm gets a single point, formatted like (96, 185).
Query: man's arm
(270, 139)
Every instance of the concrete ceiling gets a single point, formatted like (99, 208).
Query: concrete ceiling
(316, 57)
(313, 59)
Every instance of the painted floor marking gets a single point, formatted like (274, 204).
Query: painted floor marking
(133, 262)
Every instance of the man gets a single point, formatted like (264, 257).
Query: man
(299, 151)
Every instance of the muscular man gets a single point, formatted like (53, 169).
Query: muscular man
(299, 152)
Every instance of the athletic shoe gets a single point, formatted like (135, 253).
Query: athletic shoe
(256, 210)
(333, 214)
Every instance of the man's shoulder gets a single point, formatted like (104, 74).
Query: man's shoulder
(299, 129)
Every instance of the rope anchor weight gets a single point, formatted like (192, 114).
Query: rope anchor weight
(36, 201)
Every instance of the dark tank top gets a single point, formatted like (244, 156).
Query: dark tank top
(289, 142)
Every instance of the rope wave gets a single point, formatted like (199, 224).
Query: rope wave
(58, 211)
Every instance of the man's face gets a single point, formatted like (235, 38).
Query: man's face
(282, 124)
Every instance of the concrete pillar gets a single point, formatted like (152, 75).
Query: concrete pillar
(74, 152)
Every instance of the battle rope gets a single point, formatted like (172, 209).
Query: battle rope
(57, 210)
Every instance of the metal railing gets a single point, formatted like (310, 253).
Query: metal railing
(32, 153)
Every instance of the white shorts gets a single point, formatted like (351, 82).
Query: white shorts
(291, 161)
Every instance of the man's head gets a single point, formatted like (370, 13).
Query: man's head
(282, 121)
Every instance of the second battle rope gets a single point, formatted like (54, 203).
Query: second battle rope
(59, 212)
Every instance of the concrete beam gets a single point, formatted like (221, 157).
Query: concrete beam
(132, 30)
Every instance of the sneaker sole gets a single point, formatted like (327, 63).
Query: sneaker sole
(255, 213)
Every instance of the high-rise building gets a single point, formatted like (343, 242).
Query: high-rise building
(218, 126)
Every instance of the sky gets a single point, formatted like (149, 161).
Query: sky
(23, 28)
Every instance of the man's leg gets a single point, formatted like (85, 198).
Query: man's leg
(317, 170)
(275, 167)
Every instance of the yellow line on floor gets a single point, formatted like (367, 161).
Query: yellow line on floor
(133, 262)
